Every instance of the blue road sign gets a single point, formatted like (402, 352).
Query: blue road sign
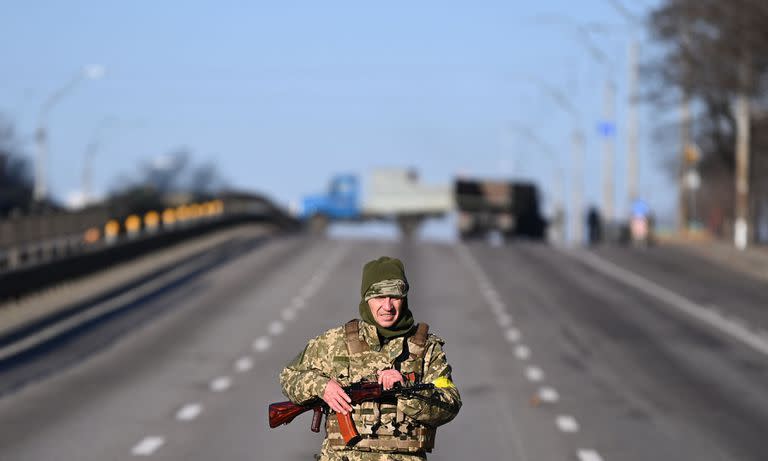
(606, 129)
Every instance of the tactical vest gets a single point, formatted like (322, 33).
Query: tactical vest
(381, 426)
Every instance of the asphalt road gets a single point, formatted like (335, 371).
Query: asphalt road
(558, 356)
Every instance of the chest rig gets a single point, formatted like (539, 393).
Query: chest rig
(381, 426)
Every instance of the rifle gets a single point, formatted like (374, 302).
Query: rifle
(284, 412)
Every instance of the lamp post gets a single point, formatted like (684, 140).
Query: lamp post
(577, 155)
(90, 152)
(557, 172)
(583, 34)
(90, 72)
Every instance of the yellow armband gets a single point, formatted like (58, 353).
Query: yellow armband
(444, 382)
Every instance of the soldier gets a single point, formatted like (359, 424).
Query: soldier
(386, 347)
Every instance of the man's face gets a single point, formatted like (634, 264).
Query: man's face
(385, 310)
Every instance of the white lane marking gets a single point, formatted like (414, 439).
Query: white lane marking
(567, 423)
(298, 302)
(147, 446)
(513, 335)
(189, 412)
(589, 455)
(498, 307)
(504, 320)
(676, 301)
(220, 384)
(523, 352)
(262, 344)
(534, 374)
(288, 314)
(548, 394)
(276, 328)
(243, 364)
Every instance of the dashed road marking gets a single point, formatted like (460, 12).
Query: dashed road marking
(147, 446)
(589, 455)
(220, 384)
(262, 344)
(548, 394)
(523, 352)
(288, 314)
(276, 328)
(534, 374)
(513, 335)
(498, 307)
(567, 423)
(504, 320)
(189, 412)
(243, 364)
(298, 302)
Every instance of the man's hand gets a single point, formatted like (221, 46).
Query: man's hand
(388, 378)
(336, 398)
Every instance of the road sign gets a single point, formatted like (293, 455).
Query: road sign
(607, 129)
(693, 179)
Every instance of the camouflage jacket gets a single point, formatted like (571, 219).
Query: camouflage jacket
(326, 357)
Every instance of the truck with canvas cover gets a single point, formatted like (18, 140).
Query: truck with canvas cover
(511, 209)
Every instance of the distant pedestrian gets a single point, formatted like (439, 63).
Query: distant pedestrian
(594, 226)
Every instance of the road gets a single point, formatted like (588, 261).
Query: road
(558, 354)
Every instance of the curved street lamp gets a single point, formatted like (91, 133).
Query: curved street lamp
(90, 72)
(558, 176)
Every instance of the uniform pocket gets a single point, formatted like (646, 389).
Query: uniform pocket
(341, 368)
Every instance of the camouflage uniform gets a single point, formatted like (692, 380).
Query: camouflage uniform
(328, 356)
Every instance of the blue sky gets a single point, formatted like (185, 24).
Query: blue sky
(281, 95)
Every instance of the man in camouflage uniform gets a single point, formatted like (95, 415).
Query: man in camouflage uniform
(385, 347)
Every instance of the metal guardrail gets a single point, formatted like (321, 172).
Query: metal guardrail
(40, 251)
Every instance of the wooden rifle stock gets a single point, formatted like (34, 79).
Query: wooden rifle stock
(284, 412)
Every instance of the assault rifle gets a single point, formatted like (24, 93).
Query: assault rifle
(284, 412)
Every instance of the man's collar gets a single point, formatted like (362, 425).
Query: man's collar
(370, 334)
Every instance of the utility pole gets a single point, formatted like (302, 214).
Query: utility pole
(608, 152)
(577, 169)
(632, 123)
(741, 223)
(685, 141)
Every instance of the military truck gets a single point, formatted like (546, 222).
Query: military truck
(511, 209)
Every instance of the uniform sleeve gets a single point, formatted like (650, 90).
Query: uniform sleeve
(306, 376)
(445, 400)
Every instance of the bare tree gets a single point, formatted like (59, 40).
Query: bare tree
(15, 177)
(710, 51)
(168, 179)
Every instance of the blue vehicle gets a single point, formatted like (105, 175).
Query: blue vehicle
(340, 203)
(394, 194)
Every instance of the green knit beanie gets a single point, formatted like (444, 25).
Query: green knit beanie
(386, 277)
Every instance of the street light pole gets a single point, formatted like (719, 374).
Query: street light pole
(91, 72)
(577, 172)
(608, 150)
(632, 128)
(577, 156)
(558, 177)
